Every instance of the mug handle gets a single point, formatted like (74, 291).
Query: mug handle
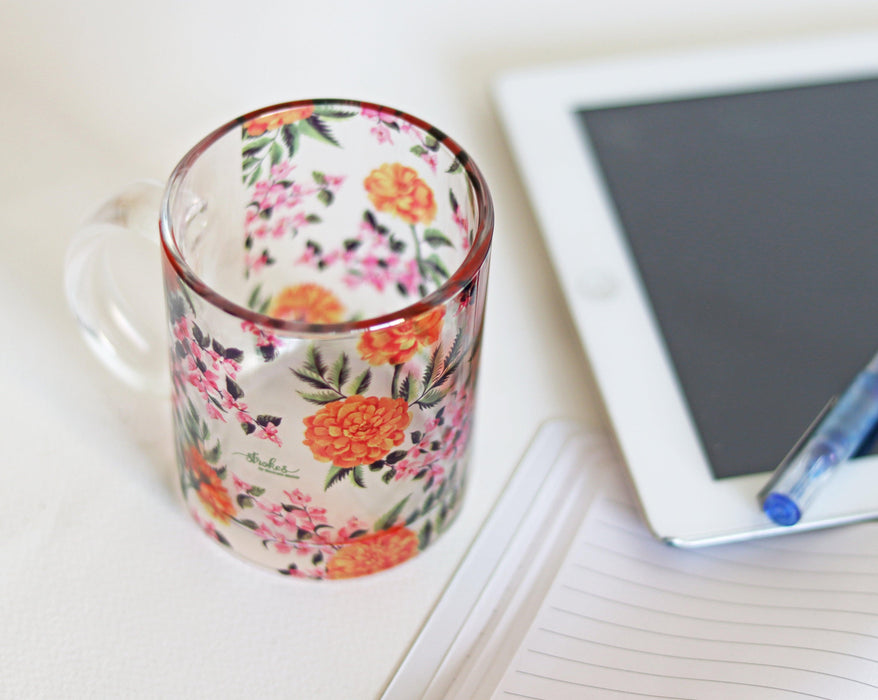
(112, 278)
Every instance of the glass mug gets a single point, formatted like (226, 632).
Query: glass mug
(325, 266)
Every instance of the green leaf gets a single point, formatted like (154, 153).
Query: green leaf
(409, 388)
(357, 476)
(255, 175)
(339, 372)
(250, 163)
(314, 361)
(276, 152)
(389, 519)
(253, 299)
(212, 456)
(361, 383)
(256, 491)
(418, 150)
(334, 112)
(333, 476)
(248, 523)
(290, 135)
(454, 167)
(438, 267)
(436, 239)
(244, 501)
(414, 388)
(319, 177)
(316, 128)
(321, 398)
(431, 142)
(326, 197)
(425, 534)
(394, 383)
(431, 398)
(251, 148)
(433, 369)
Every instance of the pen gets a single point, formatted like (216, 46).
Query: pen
(834, 436)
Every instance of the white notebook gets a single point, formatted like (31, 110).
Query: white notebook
(578, 600)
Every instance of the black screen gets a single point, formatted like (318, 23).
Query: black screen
(753, 220)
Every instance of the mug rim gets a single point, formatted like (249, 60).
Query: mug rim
(457, 282)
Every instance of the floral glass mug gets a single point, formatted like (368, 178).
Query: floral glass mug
(325, 270)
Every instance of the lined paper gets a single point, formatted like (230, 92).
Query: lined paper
(627, 616)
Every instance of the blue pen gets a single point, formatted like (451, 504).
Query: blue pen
(834, 436)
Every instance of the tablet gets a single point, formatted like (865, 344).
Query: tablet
(713, 220)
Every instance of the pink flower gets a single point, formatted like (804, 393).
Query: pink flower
(370, 113)
(269, 432)
(352, 526)
(308, 257)
(181, 329)
(431, 160)
(382, 133)
(214, 412)
(270, 508)
(281, 170)
(411, 277)
(264, 533)
(256, 262)
(210, 379)
(318, 515)
(297, 497)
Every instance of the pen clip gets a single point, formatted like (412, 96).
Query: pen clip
(800, 443)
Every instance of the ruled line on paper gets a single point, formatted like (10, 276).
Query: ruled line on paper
(696, 658)
(718, 621)
(671, 677)
(628, 615)
(592, 687)
(716, 599)
(731, 582)
(774, 645)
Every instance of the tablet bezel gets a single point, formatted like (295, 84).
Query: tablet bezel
(681, 501)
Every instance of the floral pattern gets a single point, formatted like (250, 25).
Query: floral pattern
(397, 189)
(309, 303)
(373, 553)
(330, 457)
(357, 430)
(399, 343)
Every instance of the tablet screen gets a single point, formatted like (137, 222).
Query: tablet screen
(753, 221)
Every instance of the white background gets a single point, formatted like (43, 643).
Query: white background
(106, 587)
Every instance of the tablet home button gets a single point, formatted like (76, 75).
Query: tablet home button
(596, 284)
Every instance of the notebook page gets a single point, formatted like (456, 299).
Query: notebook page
(627, 616)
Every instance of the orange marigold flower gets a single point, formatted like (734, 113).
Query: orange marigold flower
(357, 430)
(259, 125)
(399, 343)
(309, 303)
(373, 553)
(397, 189)
(211, 492)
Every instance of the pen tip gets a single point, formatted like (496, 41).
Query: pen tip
(781, 509)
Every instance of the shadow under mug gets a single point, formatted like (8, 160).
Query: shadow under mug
(325, 270)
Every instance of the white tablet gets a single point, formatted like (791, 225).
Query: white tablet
(713, 219)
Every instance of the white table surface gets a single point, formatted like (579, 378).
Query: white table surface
(106, 587)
